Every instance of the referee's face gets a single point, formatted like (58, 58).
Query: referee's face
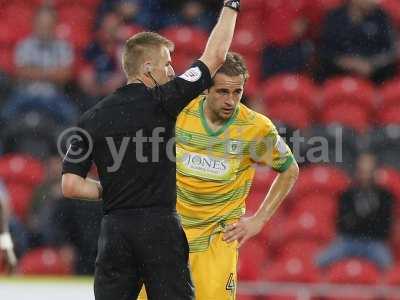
(225, 95)
(162, 70)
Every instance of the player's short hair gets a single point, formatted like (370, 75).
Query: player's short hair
(140, 47)
(234, 65)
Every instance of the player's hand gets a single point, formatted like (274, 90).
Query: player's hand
(243, 230)
(8, 258)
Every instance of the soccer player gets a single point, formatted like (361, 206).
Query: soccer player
(127, 135)
(7, 255)
(219, 140)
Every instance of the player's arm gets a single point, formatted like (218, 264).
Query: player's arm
(221, 37)
(280, 188)
(6, 244)
(76, 187)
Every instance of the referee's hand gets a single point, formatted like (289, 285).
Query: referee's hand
(243, 230)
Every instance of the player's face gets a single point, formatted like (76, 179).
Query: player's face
(162, 69)
(225, 95)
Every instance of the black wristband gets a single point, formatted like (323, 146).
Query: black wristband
(234, 4)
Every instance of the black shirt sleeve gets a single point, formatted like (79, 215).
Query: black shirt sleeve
(176, 94)
(79, 157)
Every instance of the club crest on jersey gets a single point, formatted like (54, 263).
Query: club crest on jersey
(234, 147)
(192, 75)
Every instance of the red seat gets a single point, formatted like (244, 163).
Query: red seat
(326, 204)
(283, 89)
(304, 248)
(321, 179)
(18, 17)
(181, 61)
(252, 258)
(353, 271)
(392, 276)
(389, 94)
(190, 39)
(345, 90)
(77, 34)
(263, 179)
(389, 116)
(308, 224)
(7, 59)
(253, 5)
(20, 196)
(247, 41)
(76, 13)
(292, 114)
(293, 269)
(44, 261)
(347, 114)
(22, 169)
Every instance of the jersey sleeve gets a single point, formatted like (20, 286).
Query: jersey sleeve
(271, 149)
(79, 157)
(176, 94)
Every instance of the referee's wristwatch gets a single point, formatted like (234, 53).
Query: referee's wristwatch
(234, 4)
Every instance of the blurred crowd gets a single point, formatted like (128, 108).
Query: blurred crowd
(315, 65)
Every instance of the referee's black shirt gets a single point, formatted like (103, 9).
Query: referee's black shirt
(116, 128)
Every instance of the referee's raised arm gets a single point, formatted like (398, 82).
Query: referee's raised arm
(221, 36)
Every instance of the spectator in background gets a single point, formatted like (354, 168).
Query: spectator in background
(364, 219)
(191, 13)
(43, 203)
(43, 67)
(285, 24)
(357, 38)
(132, 12)
(103, 73)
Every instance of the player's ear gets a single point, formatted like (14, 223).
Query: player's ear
(206, 92)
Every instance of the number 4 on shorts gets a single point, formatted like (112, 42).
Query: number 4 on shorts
(230, 285)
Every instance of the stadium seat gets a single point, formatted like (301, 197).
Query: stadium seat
(253, 256)
(290, 88)
(346, 90)
(307, 224)
(353, 271)
(22, 169)
(350, 115)
(182, 60)
(389, 94)
(323, 203)
(246, 297)
(247, 41)
(322, 179)
(77, 34)
(392, 276)
(263, 179)
(18, 16)
(44, 261)
(304, 248)
(292, 269)
(20, 198)
(389, 116)
(292, 114)
(190, 39)
(7, 59)
(252, 5)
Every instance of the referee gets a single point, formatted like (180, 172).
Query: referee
(128, 137)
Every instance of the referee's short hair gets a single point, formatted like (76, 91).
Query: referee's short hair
(140, 47)
(234, 65)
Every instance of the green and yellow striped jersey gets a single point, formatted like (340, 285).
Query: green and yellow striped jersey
(215, 169)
